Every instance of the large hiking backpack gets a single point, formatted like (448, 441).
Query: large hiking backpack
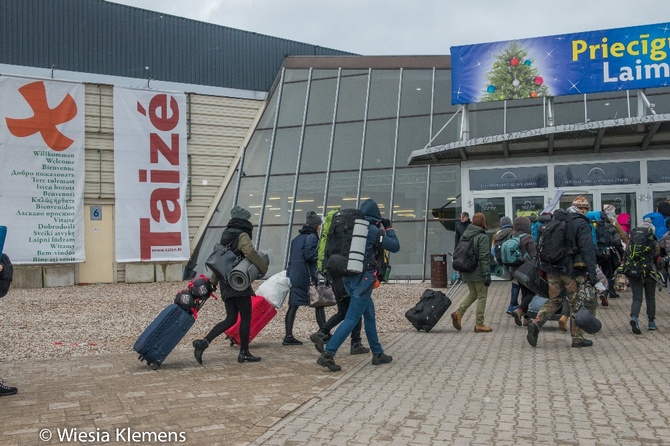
(465, 258)
(639, 259)
(6, 275)
(511, 251)
(345, 231)
(606, 238)
(553, 244)
(499, 238)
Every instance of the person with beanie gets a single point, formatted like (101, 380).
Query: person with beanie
(505, 232)
(302, 272)
(359, 287)
(478, 281)
(236, 235)
(609, 266)
(522, 227)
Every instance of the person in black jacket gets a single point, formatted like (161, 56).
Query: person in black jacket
(462, 226)
(237, 235)
(566, 277)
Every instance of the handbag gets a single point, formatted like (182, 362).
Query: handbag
(222, 261)
(321, 295)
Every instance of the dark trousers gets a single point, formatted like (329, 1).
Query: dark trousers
(320, 313)
(234, 306)
(526, 298)
(647, 285)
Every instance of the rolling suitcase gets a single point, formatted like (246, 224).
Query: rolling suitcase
(163, 335)
(262, 312)
(431, 307)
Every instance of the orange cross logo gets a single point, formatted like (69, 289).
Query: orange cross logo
(44, 119)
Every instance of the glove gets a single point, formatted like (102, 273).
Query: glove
(487, 281)
(600, 287)
(386, 222)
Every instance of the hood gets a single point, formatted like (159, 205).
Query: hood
(522, 225)
(371, 210)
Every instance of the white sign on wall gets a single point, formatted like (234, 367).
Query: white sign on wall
(150, 176)
(42, 170)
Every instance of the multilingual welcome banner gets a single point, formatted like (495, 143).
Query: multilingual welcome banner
(589, 62)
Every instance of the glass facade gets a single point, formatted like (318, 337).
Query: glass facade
(330, 138)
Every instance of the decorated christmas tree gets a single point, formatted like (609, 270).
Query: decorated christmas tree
(514, 77)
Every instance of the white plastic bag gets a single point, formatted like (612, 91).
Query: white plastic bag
(275, 289)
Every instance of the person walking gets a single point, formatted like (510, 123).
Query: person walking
(505, 232)
(563, 276)
(523, 228)
(302, 272)
(359, 287)
(478, 281)
(237, 235)
(643, 241)
(461, 226)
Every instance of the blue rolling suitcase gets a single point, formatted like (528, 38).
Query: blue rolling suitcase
(163, 335)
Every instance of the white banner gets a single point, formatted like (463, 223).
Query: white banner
(150, 176)
(42, 170)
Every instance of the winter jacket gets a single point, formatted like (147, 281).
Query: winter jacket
(240, 230)
(481, 242)
(378, 237)
(301, 269)
(527, 245)
(460, 229)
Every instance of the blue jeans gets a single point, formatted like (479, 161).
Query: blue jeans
(359, 287)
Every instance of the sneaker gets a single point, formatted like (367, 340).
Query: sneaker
(533, 331)
(328, 360)
(290, 340)
(6, 390)
(563, 323)
(518, 316)
(511, 309)
(652, 326)
(456, 319)
(358, 349)
(635, 325)
(582, 343)
(318, 339)
(199, 346)
(381, 358)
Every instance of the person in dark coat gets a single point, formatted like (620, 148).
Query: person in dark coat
(522, 225)
(461, 226)
(302, 272)
(237, 235)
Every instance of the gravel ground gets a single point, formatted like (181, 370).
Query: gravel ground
(108, 318)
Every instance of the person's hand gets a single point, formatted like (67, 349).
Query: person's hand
(487, 281)
(600, 287)
(386, 222)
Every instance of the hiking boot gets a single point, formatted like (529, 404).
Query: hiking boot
(603, 301)
(533, 331)
(483, 329)
(635, 325)
(526, 321)
(328, 360)
(6, 390)
(318, 339)
(381, 358)
(290, 340)
(511, 309)
(245, 355)
(199, 345)
(563, 323)
(613, 294)
(518, 315)
(358, 349)
(456, 319)
(652, 326)
(582, 343)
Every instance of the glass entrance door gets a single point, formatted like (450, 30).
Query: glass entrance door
(527, 206)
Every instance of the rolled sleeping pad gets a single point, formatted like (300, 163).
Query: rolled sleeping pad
(241, 277)
(357, 248)
(502, 272)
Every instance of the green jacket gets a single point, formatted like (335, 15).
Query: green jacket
(483, 249)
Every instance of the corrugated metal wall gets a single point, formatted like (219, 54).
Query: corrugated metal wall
(95, 36)
(218, 129)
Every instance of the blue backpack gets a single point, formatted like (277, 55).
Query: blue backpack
(659, 222)
(510, 251)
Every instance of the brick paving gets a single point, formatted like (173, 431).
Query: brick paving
(443, 387)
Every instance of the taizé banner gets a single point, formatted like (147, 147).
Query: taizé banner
(42, 170)
(597, 61)
(150, 176)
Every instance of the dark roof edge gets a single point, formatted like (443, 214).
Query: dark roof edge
(365, 62)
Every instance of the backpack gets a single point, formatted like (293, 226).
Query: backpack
(465, 258)
(498, 239)
(659, 222)
(511, 251)
(535, 227)
(383, 267)
(639, 258)
(606, 237)
(339, 259)
(6, 275)
(553, 244)
(323, 238)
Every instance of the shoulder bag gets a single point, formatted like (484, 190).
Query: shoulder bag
(222, 261)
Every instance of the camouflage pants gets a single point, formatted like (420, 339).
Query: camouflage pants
(578, 293)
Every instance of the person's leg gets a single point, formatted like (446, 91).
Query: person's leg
(320, 316)
(526, 298)
(548, 309)
(244, 306)
(636, 288)
(288, 321)
(482, 294)
(199, 345)
(571, 285)
(7, 390)
(514, 298)
(650, 298)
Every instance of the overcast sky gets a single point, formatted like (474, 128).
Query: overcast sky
(413, 27)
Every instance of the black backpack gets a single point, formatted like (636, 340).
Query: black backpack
(338, 242)
(465, 258)
(638, 262)
(553, 244)
(607, 237)
(498, 239)
(6, 275)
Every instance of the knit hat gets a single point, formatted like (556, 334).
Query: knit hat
(624, 221)
(240, 212)
(522, 224)
(581, 202)
(313, 219)
(479, 219)
(505, 221)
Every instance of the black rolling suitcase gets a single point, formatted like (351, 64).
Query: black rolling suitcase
(431, 307)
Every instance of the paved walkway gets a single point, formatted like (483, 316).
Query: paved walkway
(443, 387)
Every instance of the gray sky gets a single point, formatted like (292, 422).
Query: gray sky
(412, 27)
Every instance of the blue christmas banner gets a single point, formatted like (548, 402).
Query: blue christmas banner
(590, 62)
